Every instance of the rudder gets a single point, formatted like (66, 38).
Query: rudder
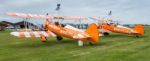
(139, 28)
(93, 32)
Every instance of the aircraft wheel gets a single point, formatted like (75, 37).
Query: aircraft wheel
(43, 39)
(137, 36)
(106, 33)
(59, 38)
(91, 43)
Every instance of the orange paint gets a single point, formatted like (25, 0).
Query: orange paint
(21, 35)
(138, 30)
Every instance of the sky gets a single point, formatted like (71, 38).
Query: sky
(124, 11)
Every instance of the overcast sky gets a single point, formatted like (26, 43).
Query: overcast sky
(126, 11)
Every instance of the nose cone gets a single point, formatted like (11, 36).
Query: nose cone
(15, 34)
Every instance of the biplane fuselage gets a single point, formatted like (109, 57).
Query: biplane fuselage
(68, 32)
(138, 30)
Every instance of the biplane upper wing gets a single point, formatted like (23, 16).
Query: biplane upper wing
(33, 34)
(23, 15)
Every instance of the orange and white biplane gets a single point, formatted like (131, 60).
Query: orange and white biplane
(106, 27)
(91, 35)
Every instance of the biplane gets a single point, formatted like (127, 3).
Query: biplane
(107, 27)
(91, 35)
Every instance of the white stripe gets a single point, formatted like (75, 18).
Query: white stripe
(36, 34)
(80, 36)
(27, 34)
(44, 33)
(15, 33)
(52, 34)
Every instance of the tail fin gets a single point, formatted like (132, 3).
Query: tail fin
(93, 32)
(139, 28)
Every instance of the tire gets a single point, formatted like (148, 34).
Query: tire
(106, 33)
(137, 36)
(91, 43)
(59, 38)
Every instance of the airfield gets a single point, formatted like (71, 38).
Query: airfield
(115, 47)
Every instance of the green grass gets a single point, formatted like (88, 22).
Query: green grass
(115, 47)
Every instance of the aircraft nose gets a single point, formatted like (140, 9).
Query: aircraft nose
(15, 33)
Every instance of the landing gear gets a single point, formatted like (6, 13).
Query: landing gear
(106, 33)
(91, 43)
(59, 38)
(43, 39)
(137, 36)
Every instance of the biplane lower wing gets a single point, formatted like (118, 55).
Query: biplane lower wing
(33, 34)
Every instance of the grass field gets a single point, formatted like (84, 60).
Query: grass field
(115, 47)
